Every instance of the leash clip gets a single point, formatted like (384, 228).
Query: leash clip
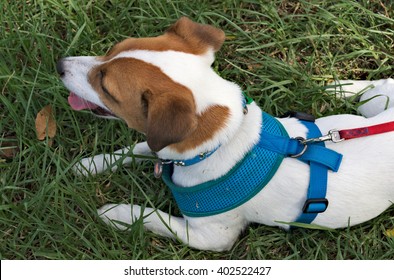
(333, 135)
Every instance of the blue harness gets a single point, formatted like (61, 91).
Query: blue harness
(256, 169)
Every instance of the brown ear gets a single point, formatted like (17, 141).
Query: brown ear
(198, 35)
(171, 118)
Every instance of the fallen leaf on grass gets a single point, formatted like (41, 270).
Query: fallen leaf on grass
(254, 66)
(9, 147)
(45, 123)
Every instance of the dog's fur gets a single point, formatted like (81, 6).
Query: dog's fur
(165, 88)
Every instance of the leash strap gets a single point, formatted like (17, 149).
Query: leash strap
(347, 134)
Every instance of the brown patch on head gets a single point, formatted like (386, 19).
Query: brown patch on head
(200, 36)
(142, 95)
(184, 36)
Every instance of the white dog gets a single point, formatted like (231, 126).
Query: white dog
(165, 88)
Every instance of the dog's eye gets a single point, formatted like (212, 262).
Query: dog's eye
(101, 75)
(104, 88)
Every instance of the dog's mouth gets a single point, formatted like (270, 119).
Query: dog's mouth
(78, 104)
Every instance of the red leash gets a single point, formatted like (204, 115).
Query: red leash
(366, 131)
(336, 136)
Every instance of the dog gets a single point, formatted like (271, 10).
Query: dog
(165, 88)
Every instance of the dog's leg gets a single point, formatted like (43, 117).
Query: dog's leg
(207, 233)
(349, 88)
(377, 99)
(100, 163)
(377, 95)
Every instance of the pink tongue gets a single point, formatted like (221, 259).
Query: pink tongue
(78, 103)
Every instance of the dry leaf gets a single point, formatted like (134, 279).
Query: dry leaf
(390, 233)
(45, 123)
(9, 147)
(255, 66)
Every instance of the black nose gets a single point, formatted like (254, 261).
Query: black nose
(60, 67)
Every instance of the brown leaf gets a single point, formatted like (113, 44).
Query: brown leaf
(45, 123)
(9, 147)
(255, 66)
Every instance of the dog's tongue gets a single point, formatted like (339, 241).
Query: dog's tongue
(78, 103)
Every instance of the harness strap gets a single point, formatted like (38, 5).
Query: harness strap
(320, 154)
(316, 201)
(315, 152)
(319, 158)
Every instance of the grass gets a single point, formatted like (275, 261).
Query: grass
(283, 53)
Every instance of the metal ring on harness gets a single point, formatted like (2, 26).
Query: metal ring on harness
(303, 142)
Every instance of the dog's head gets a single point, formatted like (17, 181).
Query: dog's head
(161, 86)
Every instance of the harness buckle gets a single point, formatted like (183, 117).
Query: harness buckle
(315, 205)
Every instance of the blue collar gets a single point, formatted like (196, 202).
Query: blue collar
(187, 162)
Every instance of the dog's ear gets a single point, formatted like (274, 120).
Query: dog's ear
(201, 36)
(171, 117)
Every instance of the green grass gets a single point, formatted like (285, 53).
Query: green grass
(283, 53)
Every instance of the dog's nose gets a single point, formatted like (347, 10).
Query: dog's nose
(60, 67)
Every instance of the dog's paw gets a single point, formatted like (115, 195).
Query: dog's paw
(103, 162)
(100, 163)
(92, 165)
(118, 215)
(142, 149)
